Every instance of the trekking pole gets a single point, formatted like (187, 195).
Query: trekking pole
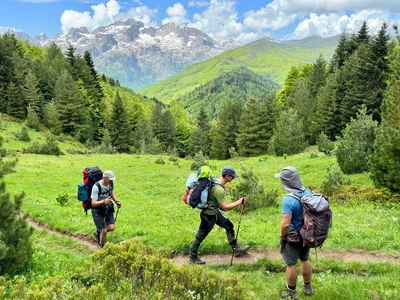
(237, 233)
(116, 215)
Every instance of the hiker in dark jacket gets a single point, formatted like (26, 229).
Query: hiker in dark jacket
(103, 208)
(292, 248)
(214, 215)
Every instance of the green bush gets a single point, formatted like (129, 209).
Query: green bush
(136, 269)
(23, 135)
(353, 148)
(198, 161)
(49, 148)
(334, 180)
(62, 199)
(324, 144)
(248, 183)
(379, 196)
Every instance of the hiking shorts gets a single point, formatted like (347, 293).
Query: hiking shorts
(292, 252)
(102, 221)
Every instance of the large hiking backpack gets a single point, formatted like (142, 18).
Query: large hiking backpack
(197, 188)
(317, 219)
(91, 176)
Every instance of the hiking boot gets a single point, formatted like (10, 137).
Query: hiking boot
(96, 235)
(239, 250)
(290, 294)
(307, 289)
(196, 261)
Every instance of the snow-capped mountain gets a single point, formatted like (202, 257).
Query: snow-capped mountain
(137, 55)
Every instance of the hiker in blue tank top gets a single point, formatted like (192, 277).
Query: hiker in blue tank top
(214, 215)
(292, 248)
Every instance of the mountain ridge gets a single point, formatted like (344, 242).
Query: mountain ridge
(137, 55)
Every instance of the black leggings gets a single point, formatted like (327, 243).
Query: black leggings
(207, 224)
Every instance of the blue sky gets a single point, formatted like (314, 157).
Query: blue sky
(241, 20)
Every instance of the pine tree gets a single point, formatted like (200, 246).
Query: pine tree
(288, 135)
(120, 128)
(8, 49)
(167, 134)
(52, 118)
(31, 93)
(200, 139)
(68, 100)
(156, 117)
(15, 246)
(360, 86)
(380, 47)
(384, 162)
(326, 113)
(355, 144)
(224, 135)
(15, 102)
(256, 127)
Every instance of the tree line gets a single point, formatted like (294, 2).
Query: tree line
(318, 104)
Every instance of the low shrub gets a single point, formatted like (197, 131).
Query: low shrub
(380, 196)
(248, 184)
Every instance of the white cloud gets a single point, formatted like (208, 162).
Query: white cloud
(198, 3)
(268, 17)
(177, 14)
(105, 15)
(219, 20)
(102, 15)
(141, 13)
(326, 25)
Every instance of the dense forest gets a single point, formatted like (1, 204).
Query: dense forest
(320, 103)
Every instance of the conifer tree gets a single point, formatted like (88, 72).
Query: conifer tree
(15, 102)
(156, 117)
(326, 113)
(68, 100)
(8, 49)
(31, 93)
(384, 162)
(183, 128)
(167, 134)
(52, 118)
(224, 135)
(15, 245)
(288, 135)
(142, 136)
(120, 129)
(357, 139)
(380, 48)
(200, 139)
(256, 127)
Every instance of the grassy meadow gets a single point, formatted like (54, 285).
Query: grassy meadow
(153, 213)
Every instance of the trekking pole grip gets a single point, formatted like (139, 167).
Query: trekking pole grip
(243, 202)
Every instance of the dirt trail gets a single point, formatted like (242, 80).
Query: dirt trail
(251, 257)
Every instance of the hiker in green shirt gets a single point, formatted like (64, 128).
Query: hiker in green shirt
(214, 215)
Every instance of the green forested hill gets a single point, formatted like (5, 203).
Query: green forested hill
(264, 57)
(240, 83)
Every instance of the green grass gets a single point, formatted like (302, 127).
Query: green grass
(153, 212)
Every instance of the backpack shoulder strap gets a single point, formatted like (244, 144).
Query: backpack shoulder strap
(217, 183)
(109, 191)
(294, 195)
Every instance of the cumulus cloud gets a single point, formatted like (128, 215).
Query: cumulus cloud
(177, 14)
(326, 25)
(105, 14)
(219, 20)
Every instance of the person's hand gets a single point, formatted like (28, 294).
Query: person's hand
(119, 204)
(107, 201)
(244, 199)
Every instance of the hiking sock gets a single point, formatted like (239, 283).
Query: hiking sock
(307, 283)
(293, 288)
